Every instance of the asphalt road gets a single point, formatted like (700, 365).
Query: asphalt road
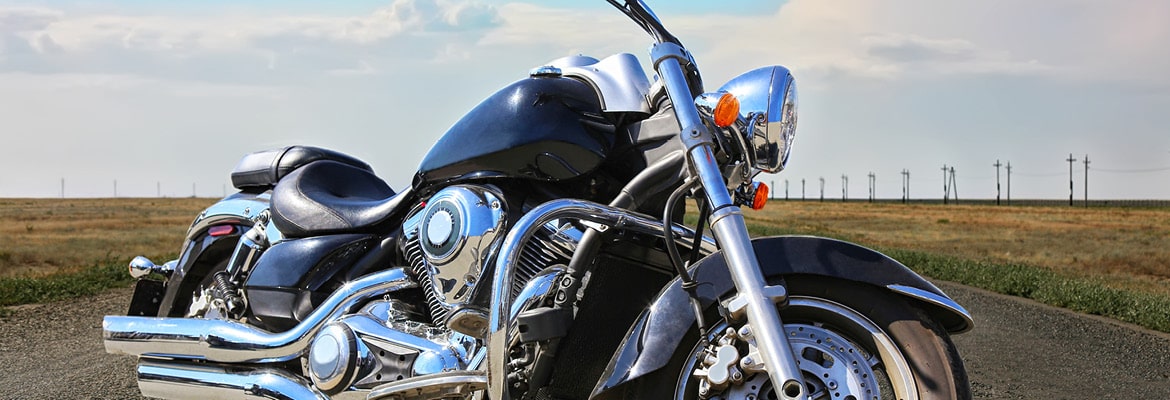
(1019, 350)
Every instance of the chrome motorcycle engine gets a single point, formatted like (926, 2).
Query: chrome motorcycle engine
(450, 240)
(455, 234)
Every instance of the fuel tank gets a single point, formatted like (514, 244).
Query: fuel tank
(542, 128)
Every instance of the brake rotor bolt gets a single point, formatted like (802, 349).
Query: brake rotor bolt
(832, 385)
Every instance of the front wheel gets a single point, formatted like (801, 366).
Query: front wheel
(852, 342)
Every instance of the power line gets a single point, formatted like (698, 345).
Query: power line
(1132, 171)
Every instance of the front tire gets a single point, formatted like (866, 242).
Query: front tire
(851, 340)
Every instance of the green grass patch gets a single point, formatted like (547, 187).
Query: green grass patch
(1075, 293)
(65, 285)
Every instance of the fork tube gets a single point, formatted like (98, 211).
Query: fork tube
(730, 229)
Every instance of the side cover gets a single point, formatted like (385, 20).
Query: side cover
(658, 331)
(547, 129)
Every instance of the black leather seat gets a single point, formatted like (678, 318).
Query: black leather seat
(261, 170)
(326, 197)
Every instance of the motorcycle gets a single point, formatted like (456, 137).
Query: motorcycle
(540, 253)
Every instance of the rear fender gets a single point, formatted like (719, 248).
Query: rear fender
(654, 337)
(203, 252)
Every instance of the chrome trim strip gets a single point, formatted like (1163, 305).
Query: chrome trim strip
(187, 381)
(227, 341)
(941, 301)
(498, 333)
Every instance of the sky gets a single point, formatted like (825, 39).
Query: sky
(164, 97)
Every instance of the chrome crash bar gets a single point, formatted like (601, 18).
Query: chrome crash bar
(589, 212)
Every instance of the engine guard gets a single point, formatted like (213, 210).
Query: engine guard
(656, 334)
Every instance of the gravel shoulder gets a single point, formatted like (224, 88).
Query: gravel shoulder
(1019, 349)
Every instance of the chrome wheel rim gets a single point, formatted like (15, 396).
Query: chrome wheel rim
(841, 353)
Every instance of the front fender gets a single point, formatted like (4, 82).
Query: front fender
(653, 338)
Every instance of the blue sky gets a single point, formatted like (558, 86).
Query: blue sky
(172, 93)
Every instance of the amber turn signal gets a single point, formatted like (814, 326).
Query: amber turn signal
(761, 197)
(726, 111)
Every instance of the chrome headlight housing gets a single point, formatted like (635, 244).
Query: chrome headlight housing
(767, 115)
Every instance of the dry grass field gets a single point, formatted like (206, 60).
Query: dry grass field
(39, 237)
(44, 236)
(1125, 247)
(1103, 260)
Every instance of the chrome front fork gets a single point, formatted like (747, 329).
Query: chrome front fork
(755, 299)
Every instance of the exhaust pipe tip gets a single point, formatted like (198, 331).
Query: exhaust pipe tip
(178, 380)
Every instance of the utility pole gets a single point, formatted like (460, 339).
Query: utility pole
(954, 186)
(872, 186)
(785, 190)
(997, 165)
(801, 189)
(771, 194)
(844, 188)
(946, 187)
(905, 186)
(822, 189)
(1070, 160)
(1086, 180)
(1009, 191)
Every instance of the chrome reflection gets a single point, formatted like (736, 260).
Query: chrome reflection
(176, 380)
(767, 108)
(228, 341)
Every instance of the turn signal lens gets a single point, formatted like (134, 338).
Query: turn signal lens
(726, 111)
(761, 197)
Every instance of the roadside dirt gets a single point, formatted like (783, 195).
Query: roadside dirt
(1019, 350)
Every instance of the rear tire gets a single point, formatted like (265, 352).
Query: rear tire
(833, 325)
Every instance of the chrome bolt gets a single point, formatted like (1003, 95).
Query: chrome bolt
(832, 385)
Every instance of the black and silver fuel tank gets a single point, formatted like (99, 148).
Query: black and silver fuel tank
(549, 127)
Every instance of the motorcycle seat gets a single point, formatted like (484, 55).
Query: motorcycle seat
(328, 197)
(261, 170)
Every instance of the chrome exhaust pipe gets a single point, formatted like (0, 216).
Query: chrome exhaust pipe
(176, 380)
(233, 342)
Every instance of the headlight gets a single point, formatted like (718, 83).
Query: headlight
(767, 115)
